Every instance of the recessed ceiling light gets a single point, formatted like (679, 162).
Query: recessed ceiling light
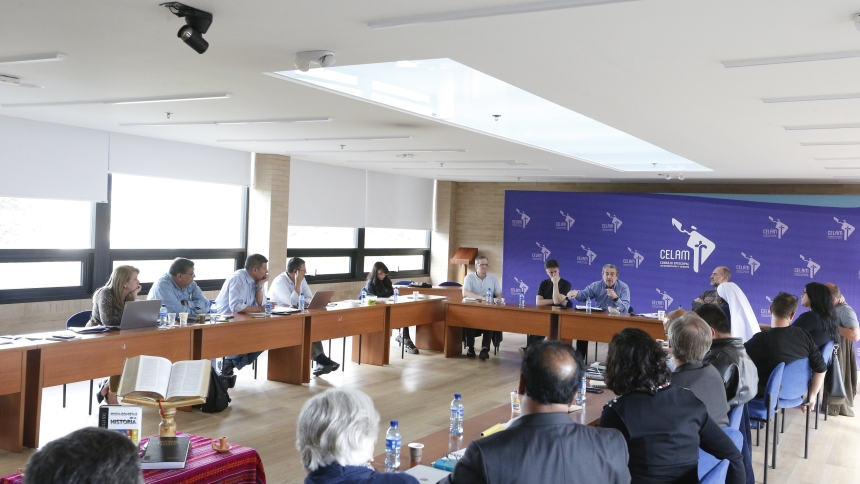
(15, 81)
(831, 143)
(792, 59)
(192, 97)
(384, 151)
(487, 12)
(822, 126)
(290, 140)
(30, 59)
(220, 123)
(822, 97)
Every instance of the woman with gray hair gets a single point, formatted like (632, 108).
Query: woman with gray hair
(335, 436)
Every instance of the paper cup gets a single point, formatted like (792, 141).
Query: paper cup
(183, 319)
(415, 451)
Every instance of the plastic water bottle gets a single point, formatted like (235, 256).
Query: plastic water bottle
(392, 446)
(456, 426)
(362, 298)
(162, 315)
(301, 302)
(268, 307)
(396, 294)
(522, 300)
(213, 313)
(580, 396)
(588, 306)
(489, 298)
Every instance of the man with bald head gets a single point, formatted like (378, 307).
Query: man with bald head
(720, 275)
(545, 445)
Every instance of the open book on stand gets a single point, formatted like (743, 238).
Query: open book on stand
(155, 378)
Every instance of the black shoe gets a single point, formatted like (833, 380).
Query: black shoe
(471, 352)
(227, 367)
(99, 396)
(398, 338)
(324, 369)
(485, 354)
(410, 347)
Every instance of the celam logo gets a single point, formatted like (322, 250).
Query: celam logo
(522, 289)
(778, 231)
(543, 255)
(765, 312)
(588, 258)
(701, 246)
(523, 220)
(664, 302)
(568, 221)
(843, 234)
(635, 261)
(749, 268)
(613, 226)
(810, 270)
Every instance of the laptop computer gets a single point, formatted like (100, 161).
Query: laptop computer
(140, 314)
(320, 299)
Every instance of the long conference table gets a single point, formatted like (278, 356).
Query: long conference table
(34, 361)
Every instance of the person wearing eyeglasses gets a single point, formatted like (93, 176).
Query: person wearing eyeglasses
(178, 291)
(476, 286)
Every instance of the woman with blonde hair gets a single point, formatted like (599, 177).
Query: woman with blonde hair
(108, 304)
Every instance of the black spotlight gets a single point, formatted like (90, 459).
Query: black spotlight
(197, 21)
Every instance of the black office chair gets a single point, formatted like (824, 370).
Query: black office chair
(450, 283)
(79, 320)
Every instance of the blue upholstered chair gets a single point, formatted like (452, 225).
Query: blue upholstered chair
(707, 461)
(717, 475)
(79, 320)
(735, 416)
(450, 283)
(827, 354)
(795, 385)
(762, 410)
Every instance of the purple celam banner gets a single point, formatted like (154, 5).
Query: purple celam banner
(667, 246)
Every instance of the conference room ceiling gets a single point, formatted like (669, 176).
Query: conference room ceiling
(651, 68)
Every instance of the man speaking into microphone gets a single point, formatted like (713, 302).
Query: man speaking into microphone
(606, 293)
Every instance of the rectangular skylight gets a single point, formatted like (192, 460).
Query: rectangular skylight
(450, 92)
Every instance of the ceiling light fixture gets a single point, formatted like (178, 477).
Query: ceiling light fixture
(312, 58)
(487, 12)
(792, 59)
(831, 143)
(822, 126)
(197, 23)
(221, 123)
(15, 81)
(32, 59)
(193, 97)
(822, 97)
(289, 140)
(383, 151)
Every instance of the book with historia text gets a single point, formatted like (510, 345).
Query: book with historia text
(155, 378)
(125, 419)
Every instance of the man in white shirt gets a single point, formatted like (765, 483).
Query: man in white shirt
(476, 286)
(285, 290)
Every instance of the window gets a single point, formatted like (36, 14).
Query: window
(32, 275)
(160, 213)
(45, 224)
(204, 269)
(344, 254)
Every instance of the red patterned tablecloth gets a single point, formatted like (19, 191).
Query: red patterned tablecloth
(242, 465)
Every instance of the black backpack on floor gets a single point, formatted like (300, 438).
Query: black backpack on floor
(218, 398)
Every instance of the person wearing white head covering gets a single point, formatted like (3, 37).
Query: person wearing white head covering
(744, 322)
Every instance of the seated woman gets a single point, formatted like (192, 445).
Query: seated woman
(108, 304)
(335, 436)
(379, 284)
(820, 321)
(664, 424)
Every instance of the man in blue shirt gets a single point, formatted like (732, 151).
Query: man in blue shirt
(178, 291)
(243, 293)
(606, 293)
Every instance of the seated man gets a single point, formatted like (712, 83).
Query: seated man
(544, 445)
(607, 292)
(689, 340)
(729, 357)
(178, 291)
(243, 293)
(285, 290)
(476, 286)
(720, 275)
(783, 344)
(90, 455)
(551, 292)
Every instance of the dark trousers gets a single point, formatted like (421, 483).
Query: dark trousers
(582, 349)
(240, 361)
(486, 340)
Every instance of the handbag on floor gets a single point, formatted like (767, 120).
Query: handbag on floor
(834, 385)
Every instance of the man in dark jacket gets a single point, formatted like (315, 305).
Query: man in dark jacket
(729, 357)
(545, 445)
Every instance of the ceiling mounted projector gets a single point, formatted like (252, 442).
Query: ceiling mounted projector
(312, 58)
(197, 24)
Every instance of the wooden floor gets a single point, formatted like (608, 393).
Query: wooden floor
(417, 391)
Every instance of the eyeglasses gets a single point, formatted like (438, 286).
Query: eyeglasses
(483, 265)
(191, 275)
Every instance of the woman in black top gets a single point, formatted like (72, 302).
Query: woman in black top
(820, 320)
(379, 284)
(664, 425)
